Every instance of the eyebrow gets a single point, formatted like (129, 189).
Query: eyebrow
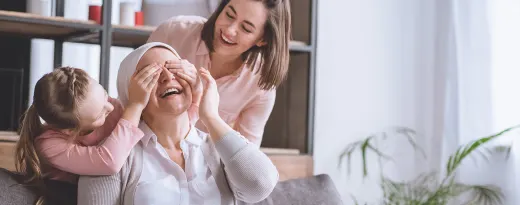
(246, 21)
(233, 9)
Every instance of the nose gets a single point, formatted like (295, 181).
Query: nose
(166, 76)
(231, 30)
(110, 107)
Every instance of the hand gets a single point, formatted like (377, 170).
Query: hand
(187, 71)
(209, 102)
(142, 83)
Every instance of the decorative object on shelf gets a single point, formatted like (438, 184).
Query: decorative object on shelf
(139, 20)
(41, 7)
(431, 187)
(157, 11)
(94, 13)
(127, 13)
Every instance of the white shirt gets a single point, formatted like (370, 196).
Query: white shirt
(164, 182)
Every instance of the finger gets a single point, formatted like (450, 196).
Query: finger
(148, 76)
(174, 70)
(147, 71)
(173, 61)
(174, 65)
(207, 80)
(190, 69)
(149, 79)
(185, 85)
(163, 69)
(153, 82)
(186, 77)
(138, 72)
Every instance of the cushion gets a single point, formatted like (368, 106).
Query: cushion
(316, 190)
(12, 192)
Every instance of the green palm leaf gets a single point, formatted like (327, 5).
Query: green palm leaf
(462, 152)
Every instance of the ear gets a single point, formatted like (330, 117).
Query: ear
(261, 43)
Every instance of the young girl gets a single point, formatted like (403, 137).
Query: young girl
(85, 131)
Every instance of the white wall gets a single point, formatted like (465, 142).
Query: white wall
(367, 61)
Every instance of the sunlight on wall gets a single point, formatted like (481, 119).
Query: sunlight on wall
(505, 37)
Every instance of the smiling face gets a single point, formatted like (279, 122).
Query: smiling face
(169, 95)
(239, 27)
(94, 109)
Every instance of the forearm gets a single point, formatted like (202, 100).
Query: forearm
(216, 127)
(105, 190)
(133, 113)
(251, 173)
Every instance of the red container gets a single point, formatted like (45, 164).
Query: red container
(94, 13)
(139, 20)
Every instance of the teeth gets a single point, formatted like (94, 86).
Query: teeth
(169, 90)
(226, 40)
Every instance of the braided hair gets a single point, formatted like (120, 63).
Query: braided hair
(56, 99)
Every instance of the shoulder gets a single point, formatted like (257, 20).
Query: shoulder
(185, 23)
(51, 136)
(188, 19)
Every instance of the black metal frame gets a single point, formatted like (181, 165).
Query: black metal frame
(58, 43)
(105, 37)
(312, 78)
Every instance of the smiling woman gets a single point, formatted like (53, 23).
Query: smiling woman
(175, 163)
(245, 47)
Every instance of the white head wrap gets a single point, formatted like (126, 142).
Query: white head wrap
(129, 65)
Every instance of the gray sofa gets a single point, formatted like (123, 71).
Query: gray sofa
(317, 190)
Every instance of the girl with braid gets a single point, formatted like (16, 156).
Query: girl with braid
(85, 132)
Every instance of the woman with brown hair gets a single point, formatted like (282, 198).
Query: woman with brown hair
(245, 46)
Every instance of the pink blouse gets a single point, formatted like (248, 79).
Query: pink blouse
(102, 152)
(243, 105)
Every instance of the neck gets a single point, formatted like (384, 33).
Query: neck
(169, 130)
(225, 61)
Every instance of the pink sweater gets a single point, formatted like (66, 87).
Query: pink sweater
(243, 105)
(102, 152)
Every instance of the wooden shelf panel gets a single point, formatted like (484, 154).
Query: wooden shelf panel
(37, 26)
(128, 36)
(290, 163)
(293, 166)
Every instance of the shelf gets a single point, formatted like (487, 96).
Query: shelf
(298, 46)
(51, 27)
(37, 26)
(129, 36)
(8, 136)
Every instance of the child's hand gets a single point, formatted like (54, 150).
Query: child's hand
(188, 72)
(141, 85)
(209, 102)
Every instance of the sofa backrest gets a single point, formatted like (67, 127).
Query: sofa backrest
(315, 190)
(12, 192)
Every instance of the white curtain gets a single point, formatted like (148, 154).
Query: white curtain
(472, 88)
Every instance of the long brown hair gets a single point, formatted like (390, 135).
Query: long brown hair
(273, 58)
(55, 100)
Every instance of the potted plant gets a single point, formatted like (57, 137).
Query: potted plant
(429, 188)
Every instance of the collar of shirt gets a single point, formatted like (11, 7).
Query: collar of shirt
(202, 50)
(193, 137)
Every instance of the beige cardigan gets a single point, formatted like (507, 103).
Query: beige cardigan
(243, 174)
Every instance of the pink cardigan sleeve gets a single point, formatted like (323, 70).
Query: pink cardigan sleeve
(251, 121)
(104, 159)
(102, 152)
